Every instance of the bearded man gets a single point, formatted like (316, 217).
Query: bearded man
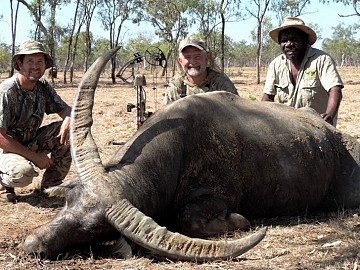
(197, 72)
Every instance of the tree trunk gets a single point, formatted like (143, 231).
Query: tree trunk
(71, 40)
(258, 53)
(222, 36)
(13, 33)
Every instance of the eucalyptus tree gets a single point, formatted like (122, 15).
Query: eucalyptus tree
(269, 48)
(343, 46)
(88, 7)
(211, 17)
(13, 31)
(113, 15)
(355, 4)
(78, 19)
(230, 56)
(44, 17)
(5, 57)
(243, 54)
(170, 20)
(258, 9)
(101, 46)
(206, 15)
(344, 37)
(293, 8)
(77, 62)
(137, 44)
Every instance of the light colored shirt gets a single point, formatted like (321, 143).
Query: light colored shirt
(215, 81)
(317, 75)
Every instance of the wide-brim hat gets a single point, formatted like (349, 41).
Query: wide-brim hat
(192, 41)
(295, 23)
(31, 47)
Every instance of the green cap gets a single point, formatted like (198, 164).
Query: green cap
(31, 47)
(194, 42)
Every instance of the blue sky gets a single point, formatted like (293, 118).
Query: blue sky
(326, 16)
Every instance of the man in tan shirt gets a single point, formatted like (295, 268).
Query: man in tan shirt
(303, 76)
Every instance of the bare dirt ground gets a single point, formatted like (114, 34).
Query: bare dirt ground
(313, 241)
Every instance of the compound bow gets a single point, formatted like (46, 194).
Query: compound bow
(154, 57)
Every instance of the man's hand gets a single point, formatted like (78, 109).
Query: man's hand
(41, 160)
(267, 97)
(64, 133)
(328, 118)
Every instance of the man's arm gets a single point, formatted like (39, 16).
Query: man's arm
(171, 94)
(267, 97)
(335, 97)
(8, 144)
(66, 112)
(271, 79)
(64, 132)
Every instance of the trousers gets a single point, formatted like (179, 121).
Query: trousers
(17, 171)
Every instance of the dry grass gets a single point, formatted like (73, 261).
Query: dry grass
(316, 241)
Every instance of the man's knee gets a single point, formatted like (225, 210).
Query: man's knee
(20, 174)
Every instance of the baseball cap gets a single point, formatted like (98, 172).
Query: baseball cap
(194, 42)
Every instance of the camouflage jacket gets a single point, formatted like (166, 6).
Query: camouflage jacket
(22, 112)
(215, 81)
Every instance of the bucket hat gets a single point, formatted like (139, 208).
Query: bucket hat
(194, 42)
(31, 47)
(295, 23)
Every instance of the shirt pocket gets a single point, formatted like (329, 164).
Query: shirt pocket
(307, 97)
(309, 91)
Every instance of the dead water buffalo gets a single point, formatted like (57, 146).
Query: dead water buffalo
(194, 167)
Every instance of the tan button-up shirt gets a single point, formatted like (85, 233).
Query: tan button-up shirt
(317, 75)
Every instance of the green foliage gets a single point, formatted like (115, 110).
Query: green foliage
(168, 18)
(172, 20)
(138, 45)
(101, 46)
(344, 47)
(244, 54)
(317, 29)
(293, 8)
(5, 57)
(61, 50)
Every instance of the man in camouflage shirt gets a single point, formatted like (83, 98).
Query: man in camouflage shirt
(196, 76)
(25, 145)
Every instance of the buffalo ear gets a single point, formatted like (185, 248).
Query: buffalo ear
(61, 190)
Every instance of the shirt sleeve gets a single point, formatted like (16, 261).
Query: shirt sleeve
(270, 80)
(10, 102)
(220, 82)
(4, 111)
(229, 86)
(328, 73)
(54, 103)
(170, 93)
(173, 90)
